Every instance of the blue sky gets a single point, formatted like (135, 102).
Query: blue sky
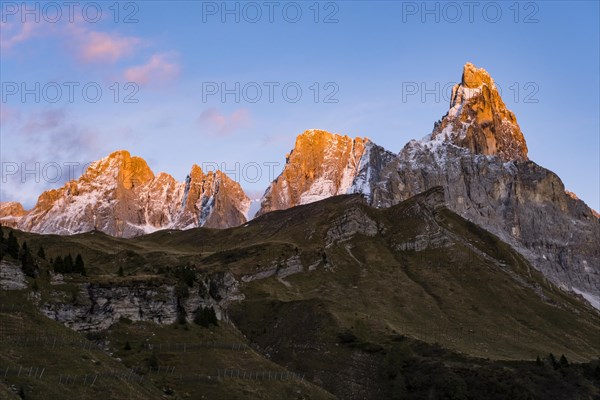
(361, 55)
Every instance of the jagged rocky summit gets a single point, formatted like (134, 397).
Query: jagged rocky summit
(120, 195)
(322, 165)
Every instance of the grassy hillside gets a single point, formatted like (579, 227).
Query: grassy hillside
(340, 300)
(134, 361)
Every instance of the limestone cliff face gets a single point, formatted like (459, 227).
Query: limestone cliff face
(212, 198)
(99, 306)
(121, 196)
(230, 202)
(322, 165)
(478, 119)
(521, 202)
(12, 276)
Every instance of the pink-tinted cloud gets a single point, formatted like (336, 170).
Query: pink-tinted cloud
(8, 115)
(86, 44)
(223, 124)
(160, 68)
(105, 47)
(16, 32)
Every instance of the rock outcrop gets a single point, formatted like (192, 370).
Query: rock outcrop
(11, 276)
(96, 307)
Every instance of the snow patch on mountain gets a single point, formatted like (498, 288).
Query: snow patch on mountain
(320, 189)
(362, 180)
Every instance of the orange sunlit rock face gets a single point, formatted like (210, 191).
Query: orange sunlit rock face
(479, 120)
(126, 170)
(10, 213)
(321, 165)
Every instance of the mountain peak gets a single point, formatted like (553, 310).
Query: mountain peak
(322, 137)
(196, 173)
(10, 212)
(474, 77)
(322, 164)
(12, 208)
(120, 165)
(479, 120)
(119, 154)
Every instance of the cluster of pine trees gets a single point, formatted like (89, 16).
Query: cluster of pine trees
(10, 246)
(554, 363)
(66, 265)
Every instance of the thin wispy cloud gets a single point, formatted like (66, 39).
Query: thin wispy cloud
(159, 69)
(53, 133)
(217, 122)
(13, 33)
(85, 43)
(8, 114)
(106, 47)
(50, 140)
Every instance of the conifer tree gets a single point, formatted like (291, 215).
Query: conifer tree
(68, 263)
(79, 265)
(12, 246)
(58, 265)
(27, 262)
(24, 251)
(563, 362)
